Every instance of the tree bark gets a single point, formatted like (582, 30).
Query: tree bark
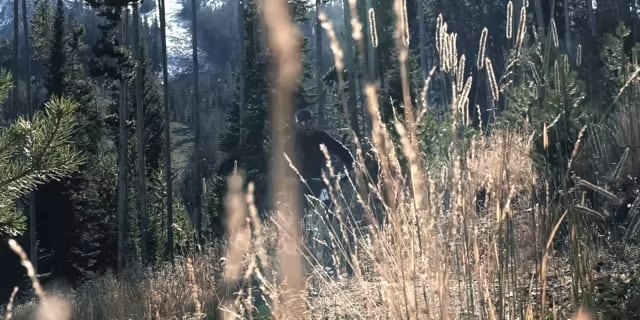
(422, 33)
(539, 16)
(122, 166)
(319, 67)
(16, 57)
(167, 132)
(32, 196)
(197, 175)
(241, 73)
(567, 29)
(351, 72)
(142, 172)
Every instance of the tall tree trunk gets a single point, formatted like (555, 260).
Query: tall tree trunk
(16, 59)
(27, 57)
(122, 164)
(351, 71)
(167, 131)
(567, 29)
(142, 172)
(319, 66)
(32, 196)
(197, 154)
(539, 16)
(241, 73)
(422, 34)
(592, 19)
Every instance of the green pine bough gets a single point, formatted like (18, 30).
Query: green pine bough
(34, 152)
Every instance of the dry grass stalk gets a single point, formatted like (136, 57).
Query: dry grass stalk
(423, 95)
(603, 192)
(597, 214)
(495, 93)
(50, 307)
(579, 55)
(195, 291)
(482, 48)
(356, 26)
(545, 261)
(373, 28)
(400, 270)
(9, 313)
(545, 137)
(554, 33)
(460, 72)
(284, 41)
(522, 29)
(31, 272)
(509, 19)
(402, 46)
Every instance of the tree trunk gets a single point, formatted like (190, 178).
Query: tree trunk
(167, 132)
(241, 73)
(319, 66)
(351, 71)
(567, 29)
(32, 196)
(422, 33)
(142, 172)
(122, 167)
(16, 57)
(592, 19)
(539, 16)
(197, 174)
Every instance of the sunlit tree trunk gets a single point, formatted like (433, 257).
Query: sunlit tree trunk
(167, 132)
(142, 181)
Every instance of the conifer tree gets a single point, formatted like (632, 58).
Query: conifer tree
(253, 155)
(87, 215)
(113, 63)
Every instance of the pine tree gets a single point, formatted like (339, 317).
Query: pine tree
(86, 209)
(253, 155)
(114, 64)
(152, 148)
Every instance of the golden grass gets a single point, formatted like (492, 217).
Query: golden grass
(434, 258)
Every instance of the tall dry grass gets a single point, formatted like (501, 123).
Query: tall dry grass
(434, 257)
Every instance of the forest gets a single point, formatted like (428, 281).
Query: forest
(151, 162)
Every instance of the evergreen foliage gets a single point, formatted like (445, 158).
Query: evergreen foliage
(33, 153)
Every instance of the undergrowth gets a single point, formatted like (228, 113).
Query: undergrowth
(494, 225)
